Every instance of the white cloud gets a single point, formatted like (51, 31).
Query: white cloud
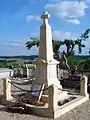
(15, 43)
(38, 17)
(12, 44)
(61, 35)
(86, 1)
(55, 0)
(67, 9)
(16, 47)
(32, 17)
(73, 21)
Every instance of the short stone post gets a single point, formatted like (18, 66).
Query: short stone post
(83, 91)
(53, 97)
(7, 89)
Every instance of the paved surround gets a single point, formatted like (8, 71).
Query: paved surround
(5, 74)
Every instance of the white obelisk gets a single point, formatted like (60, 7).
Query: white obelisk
(46, 65)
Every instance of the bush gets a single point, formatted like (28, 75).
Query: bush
(85, 64)
(72, 61)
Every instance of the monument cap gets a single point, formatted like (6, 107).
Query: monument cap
(45, 15)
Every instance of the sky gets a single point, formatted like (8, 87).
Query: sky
(20, 20)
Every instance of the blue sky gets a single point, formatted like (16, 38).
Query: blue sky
(20, 20)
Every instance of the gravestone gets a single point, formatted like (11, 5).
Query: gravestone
(11, 69)
(18, 72)
(33, 72)
(25, 71)
(63, 67)
(74, 70)
(15, 73)
(38, 88)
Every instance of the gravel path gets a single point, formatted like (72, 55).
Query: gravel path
(81, 112)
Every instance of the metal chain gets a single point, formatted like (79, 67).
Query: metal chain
(26, 90)
(24, 83)
(70, 91)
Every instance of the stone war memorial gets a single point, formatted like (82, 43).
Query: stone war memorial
(46, 87)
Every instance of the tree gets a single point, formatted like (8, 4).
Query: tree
(83, 37)
(70, 44)
(56, 46)
(36, 42)
(89, 52)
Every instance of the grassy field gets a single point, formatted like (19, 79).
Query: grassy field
(18, 61)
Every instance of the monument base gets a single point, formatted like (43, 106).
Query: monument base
(45, 112)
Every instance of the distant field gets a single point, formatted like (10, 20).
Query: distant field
(16, 61)
(3, 69)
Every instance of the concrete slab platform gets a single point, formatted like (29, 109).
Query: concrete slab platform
(45, 112)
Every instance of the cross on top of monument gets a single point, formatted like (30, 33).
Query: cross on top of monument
(45, 16)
